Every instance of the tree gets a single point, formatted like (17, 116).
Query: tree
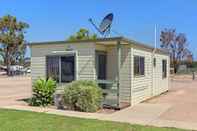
(12, 38)
(176, 45)
(17, 56)
(82, 34)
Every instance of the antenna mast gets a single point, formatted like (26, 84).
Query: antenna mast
(155, 42)
(91, 21)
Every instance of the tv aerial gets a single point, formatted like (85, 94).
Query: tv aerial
(105, 26)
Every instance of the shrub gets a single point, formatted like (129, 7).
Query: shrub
(83, 96)
(43, 91)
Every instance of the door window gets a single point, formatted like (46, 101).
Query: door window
(101, 65)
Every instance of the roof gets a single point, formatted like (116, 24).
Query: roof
(121, 39)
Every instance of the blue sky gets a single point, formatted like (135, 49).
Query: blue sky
(52, 20)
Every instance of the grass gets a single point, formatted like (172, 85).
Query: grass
(13, 120)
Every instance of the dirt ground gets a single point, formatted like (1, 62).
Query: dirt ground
(182, 97)
(13, 89)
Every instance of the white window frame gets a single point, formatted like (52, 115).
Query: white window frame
(138, 75)
(65, 53)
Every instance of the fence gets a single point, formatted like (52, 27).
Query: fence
(187, 71)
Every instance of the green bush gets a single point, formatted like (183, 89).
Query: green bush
(83, 96)
(43, 91)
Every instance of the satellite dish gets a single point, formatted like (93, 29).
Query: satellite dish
(106, 22)
(105, 26)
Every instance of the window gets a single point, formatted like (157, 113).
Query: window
(138, 65)
(61, 68)
(154, 62)
(52, 64)
(164, 68)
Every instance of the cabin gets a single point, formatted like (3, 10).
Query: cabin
(128, 71)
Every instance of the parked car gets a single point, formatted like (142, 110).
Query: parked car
(28, 71)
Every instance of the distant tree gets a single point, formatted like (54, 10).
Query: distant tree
(176, 44)
(189, 60)
(2, 56)
(11, 38)
(17, 56)
(82, 34)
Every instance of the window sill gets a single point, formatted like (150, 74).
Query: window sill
(139, 76)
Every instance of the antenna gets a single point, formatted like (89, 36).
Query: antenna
(105, 26)
(155, 36)
(155, 42)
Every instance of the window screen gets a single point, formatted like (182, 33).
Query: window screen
(52, 70)
(67, 69)
(164, 68)
(101, 64)
(60, 68)
(138, 65)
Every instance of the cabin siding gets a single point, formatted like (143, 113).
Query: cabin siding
(152, 83)
(141, 85)
(160, 84)
(85, 59)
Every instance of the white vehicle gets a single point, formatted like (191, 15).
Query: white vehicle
(28, 71)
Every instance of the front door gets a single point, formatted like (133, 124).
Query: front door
(101, 65)
(67, 68)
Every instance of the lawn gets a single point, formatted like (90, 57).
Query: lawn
(12, 120)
